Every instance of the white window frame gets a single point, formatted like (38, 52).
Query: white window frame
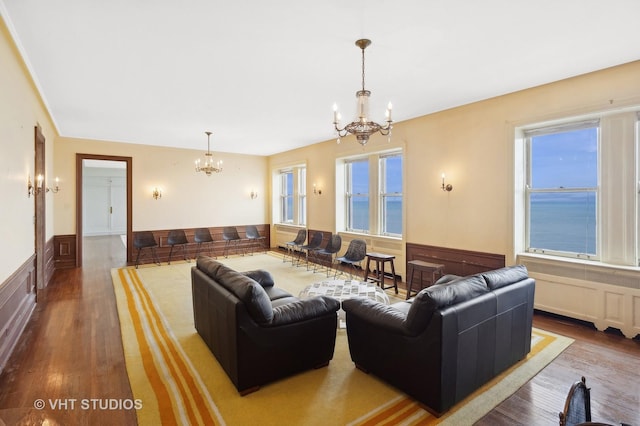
(350, 196)
(298, 196)
(384, 194)
(618, 209)
(549, 130)
(375, 193)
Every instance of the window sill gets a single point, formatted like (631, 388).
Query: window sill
(367, 235)
(582, 269)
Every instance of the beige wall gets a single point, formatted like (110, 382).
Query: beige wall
(474, 146)
(189, 199)
(21, 109)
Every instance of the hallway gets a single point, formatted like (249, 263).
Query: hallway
(71, 348)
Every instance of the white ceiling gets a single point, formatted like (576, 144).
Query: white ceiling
(263, 75)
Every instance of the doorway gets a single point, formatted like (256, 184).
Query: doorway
(103, 200)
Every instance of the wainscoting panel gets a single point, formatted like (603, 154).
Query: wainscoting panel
(604, 295)
(17, 301)
(216, 249)
(456, 261)
(64, 251)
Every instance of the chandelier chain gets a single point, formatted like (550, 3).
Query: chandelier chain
(363, 69)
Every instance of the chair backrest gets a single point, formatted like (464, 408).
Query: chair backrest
(316, 240)
(335, 244)
(176, 236)
(302, 235)
(356, 251)
(144, 239)
(230, 233)
(577, 407)
(251, 232)
(202, 235)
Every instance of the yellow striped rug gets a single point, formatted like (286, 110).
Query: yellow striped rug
(178, 380)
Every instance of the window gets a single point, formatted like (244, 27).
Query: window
(286, 196)
(302, 197)
(293, 200)
(357, 194)
(373, 201)
(562, 189)
(391, 194)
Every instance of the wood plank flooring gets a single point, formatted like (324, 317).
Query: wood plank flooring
(72, 349)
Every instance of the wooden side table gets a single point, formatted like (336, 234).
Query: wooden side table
(381, 259)
(435, 269)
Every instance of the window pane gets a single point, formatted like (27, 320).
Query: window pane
(359, 219)
(565, 160)
(287, 197)
(392, 216)
(289, 183)
(393, 174)
(360, 177)
(563, 222)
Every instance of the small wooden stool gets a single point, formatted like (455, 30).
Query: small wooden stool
(422, 266)
(380, 260)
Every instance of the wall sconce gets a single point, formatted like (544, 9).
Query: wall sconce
(254, 194)
(316, 190)
(448, 187)
(37, 188)
(56, 188)
(157, 193)
(31, 190)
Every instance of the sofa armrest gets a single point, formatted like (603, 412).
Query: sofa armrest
(302, 310)
(376, 314)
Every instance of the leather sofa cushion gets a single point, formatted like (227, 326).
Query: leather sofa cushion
(251, 293)
(439, 296)
(504, 276)
(447, 278)
(262, 277)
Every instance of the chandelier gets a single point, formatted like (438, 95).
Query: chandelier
(209, 165)
(362, 128)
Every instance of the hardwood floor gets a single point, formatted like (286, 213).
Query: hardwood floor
(72, 350)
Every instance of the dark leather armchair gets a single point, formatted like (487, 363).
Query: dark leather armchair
(259, 332)
(449, 340)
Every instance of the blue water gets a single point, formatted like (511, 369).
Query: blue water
(563, 222)
(559, 222)
(361, 216)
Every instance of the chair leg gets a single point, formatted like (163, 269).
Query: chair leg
(138, 258)
(170, 252)
(154, 254)
(184, 253)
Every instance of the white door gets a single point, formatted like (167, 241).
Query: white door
(104, 205)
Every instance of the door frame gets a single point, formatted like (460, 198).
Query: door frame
(40, 218)
(129, 186)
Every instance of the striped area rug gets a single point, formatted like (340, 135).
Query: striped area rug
(178, 380)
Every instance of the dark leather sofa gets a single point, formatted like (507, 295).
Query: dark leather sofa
(258, 332)
(450, 339)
